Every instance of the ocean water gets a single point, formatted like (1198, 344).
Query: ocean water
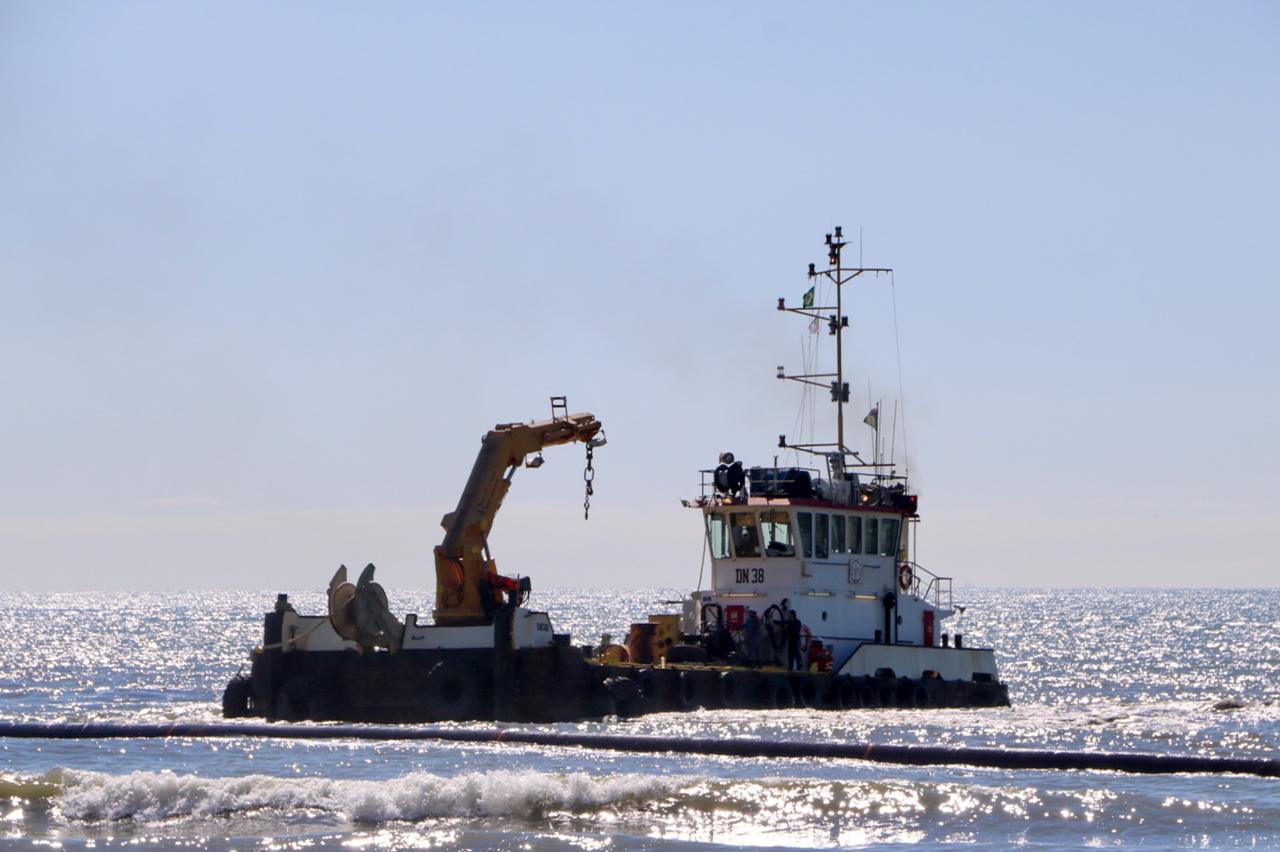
(1172, 671)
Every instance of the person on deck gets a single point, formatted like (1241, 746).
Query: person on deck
(751, 637)
(792, 627)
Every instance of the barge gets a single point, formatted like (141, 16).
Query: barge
(814, 598)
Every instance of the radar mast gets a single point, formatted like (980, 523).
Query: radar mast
(837, 453)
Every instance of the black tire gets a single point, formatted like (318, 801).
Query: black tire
(647, 680)
(451, 693)
(706, 687)
(905, 693)
(686, 654)
(886, 694)
(627, 700)
(920, 697)
(662, 690)
(804, 690)
(866, 694)
(306, 697)
(779, 695)
(686, 692)
(844, 695)
(601, 702)
(735, 688)
(237, 698)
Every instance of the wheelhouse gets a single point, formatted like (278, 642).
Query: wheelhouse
(749, 542)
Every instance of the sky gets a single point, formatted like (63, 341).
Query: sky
(269, 271)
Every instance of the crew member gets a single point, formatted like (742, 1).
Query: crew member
(793, 641)
(751, 637)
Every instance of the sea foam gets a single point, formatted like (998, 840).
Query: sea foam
(162, 795)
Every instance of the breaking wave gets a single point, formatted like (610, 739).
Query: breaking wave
(29, 789)
(162, 795)
(751, 812)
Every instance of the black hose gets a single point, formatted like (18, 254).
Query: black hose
(719, 615)
(912, 755)
(773, 627)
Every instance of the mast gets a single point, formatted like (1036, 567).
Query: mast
(839, 275)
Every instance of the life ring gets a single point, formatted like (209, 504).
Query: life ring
(904, 576)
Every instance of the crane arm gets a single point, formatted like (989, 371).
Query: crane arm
(465, 572)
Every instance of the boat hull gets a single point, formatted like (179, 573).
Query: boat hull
(560, 684)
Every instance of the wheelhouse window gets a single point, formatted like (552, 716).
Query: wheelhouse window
(775, 528)
(871, 535)
(821, 526)
(718, 532)
(889, 536)
(805, 520)
(837, 534)
(855, 535)
(746, 537)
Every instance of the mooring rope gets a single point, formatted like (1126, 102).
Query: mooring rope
(996, 758)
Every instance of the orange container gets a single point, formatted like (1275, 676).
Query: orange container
(640, 642)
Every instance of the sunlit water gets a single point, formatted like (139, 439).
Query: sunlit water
(1157, 671)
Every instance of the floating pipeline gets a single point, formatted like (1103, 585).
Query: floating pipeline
(878, 753)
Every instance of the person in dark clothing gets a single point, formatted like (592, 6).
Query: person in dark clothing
(751, 638)
(792, 627)
(719, 644)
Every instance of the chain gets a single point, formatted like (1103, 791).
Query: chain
(588, 475)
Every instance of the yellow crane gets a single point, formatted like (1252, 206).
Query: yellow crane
(468, 586)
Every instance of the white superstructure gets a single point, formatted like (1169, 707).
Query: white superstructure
(833, 544)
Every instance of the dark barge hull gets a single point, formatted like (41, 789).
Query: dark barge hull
(553, 684)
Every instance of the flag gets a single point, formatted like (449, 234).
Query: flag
(814, 326)
(808, 298)
(873, 418)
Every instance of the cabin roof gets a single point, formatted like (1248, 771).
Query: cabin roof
(722, 503)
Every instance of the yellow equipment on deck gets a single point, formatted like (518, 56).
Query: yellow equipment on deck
(468, 586)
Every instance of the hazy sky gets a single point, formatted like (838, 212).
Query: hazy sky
(268, 271)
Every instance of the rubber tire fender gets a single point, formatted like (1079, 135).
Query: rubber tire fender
(627, 700)
(451, 692)
(686, 654)
(886, 694)
(306, 697)
(844, 695)
(867, 694)
(736, 688)
(804, 690)
(905, 693)
(686, 692)
(780, 695)
(647, 681)
(237, 698)
(706, 687)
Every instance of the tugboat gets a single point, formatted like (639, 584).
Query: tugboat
(795, 551)
(833, 545)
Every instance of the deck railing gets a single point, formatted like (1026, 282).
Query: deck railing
(929, 586)
(777, 480)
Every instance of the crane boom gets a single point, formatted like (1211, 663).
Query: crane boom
(466, 575)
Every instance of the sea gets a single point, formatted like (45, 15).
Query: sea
(1137, 670)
